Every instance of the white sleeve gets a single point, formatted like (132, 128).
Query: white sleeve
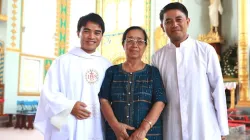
(52, 101)
(153, 63)
(218, 90)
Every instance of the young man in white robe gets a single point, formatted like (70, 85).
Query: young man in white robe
(69, 106)
(193, 80)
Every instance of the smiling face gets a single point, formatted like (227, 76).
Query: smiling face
(90, 36)
(175, 24)
(134, 44)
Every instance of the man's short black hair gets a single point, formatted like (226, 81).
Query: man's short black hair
(173, 6)
(93, 18)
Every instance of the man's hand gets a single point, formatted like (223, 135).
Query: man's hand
(79, 111)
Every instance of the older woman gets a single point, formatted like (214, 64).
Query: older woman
(132, 95)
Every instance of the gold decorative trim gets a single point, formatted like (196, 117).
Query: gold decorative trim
(47, 66)
(243, 54)
(3, 18)
(28, 93)
(243, 104)
(13, 49)
(57, 40)
(230, 79)
(62, 31)
(36, 56)
(67, 25)
(13, 23)
(232, 100)
(211, 37)
(21, 27)
(146, 58)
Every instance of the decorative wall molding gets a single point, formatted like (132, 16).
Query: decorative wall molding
(14, 24)
(3, 18)
(13, 50)
(62, 31)
(243, 54)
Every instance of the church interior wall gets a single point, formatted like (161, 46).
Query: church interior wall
(13, 57)
(198, 12)
(229, 23)
(199, 19)
(3, 26)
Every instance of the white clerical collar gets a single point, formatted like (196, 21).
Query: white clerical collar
(182, 44)
(80, 52)
(186, 42)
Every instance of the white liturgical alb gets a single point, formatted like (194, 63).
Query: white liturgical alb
(75, 76)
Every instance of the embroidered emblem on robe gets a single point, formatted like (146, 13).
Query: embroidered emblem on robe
(91, 76)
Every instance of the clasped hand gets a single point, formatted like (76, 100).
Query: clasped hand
(120, 130)
(139, 134)
(79, 111)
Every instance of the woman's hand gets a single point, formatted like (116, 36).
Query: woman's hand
(120, 130)
(139, 134)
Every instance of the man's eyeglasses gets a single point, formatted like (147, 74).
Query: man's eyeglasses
(139, 42)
